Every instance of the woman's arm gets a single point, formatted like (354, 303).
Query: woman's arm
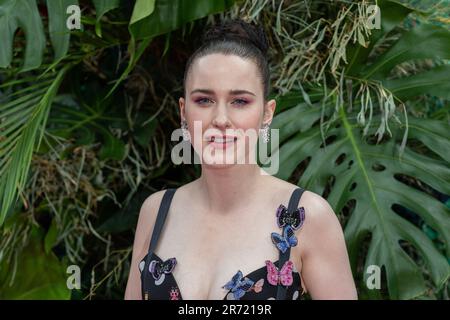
(146, 221)
(326, 267)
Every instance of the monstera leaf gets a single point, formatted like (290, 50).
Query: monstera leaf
(367, 174)
(24, 15)
(421, 42)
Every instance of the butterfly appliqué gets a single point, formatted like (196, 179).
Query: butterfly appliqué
(238, 285)
(286, 240)
(158, 268)
(258, 286)
(294, 219)
(283, 276)
(174, 294)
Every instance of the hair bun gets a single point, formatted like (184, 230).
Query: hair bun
(238, 29)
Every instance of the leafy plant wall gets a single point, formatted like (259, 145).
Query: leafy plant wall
(86, 117)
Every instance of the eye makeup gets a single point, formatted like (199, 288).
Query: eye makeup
(202, 100)
(240, 102)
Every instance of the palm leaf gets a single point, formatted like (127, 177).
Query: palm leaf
(86, 120)
(22, 127)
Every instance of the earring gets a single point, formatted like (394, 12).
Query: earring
(186, 135)
(265, 132)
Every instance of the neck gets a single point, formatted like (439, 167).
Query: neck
(228, 189)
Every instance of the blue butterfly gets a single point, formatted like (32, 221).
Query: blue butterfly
(238, 286)
(285, 241)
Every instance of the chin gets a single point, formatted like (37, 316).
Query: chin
(223, 158)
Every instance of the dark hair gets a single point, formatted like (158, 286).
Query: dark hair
(235, 37)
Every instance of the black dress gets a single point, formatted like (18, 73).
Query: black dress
(267, 282)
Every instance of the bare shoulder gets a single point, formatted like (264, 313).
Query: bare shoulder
(150, 207)
(146, 221)
(144, 228)
(326, 271)
(317, 209)
(320, 223)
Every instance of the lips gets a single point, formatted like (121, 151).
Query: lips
(222, 141)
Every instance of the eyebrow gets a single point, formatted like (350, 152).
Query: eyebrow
(231, 92)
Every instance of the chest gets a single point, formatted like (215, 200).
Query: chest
(210, 250)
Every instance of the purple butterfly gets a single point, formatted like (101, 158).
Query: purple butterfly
(294, 219)
(158, 268)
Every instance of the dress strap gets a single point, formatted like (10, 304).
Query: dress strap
(161, 218)
(157, 229)
(293, 204)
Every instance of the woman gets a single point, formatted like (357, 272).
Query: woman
(235, 233)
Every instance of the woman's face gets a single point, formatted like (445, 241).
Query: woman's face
(225, 98)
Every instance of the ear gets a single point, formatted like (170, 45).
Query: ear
(269, 110)
(182, 105)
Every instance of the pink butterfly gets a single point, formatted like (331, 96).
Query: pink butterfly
(257, 287)
(284, 275)
(174, 294)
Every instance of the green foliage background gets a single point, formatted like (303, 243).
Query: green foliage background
(86, 117)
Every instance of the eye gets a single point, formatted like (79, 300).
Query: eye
(202, 101)
(240, 102)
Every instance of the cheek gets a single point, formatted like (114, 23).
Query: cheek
(248, 119)
(197, 117)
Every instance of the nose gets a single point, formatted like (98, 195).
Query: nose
(220, 119)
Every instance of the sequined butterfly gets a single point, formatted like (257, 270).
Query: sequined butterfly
(294, 219)
(238, 286)
(158, 268)
(285, 241)
(283, 276)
